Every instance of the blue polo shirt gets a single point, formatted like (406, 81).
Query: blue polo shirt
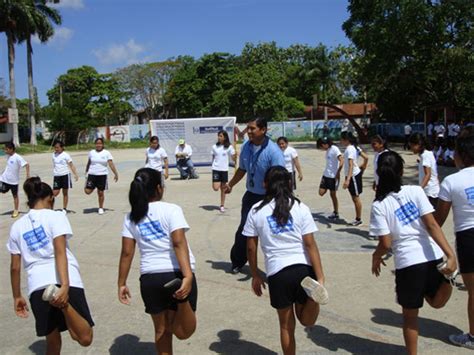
(256, 164)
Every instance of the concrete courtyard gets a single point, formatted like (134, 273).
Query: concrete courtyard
(362, 316)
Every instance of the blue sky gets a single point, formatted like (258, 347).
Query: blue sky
(109, 34)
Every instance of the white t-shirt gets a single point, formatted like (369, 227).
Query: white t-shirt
(440, 129)
(281, 245)
(408, 130)
(99, 161)
(458, 189)
(332, 162)
(289, 153)
(453, 130)
(220, 157)
(32, 237)
(60, 163)
(351, 153)
(155, 158)
(427, 159)
(376, 162)
(399, 214)
(153, 237)
(186, 149)
(11, 174)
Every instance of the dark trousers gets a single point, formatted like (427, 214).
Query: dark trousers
(238, 253)
(406, 145)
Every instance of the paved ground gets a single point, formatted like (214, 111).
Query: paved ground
(362, 316)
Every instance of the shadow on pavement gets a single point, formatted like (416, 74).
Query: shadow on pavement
(226, 266)
(210, 207)
(324, 338)
(95, 210)
(231, 343)
(428, 328)
(355, 231)
(38, 347)
(322, 219)
(131, 344)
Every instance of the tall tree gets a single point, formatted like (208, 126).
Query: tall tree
(14, 16)
(43, 18)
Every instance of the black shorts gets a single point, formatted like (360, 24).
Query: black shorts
(62, 182)
(355, 185)
(220, 176)
(414, 283)
(285, 288)
(158, 299)
(465, 250)
(49, 318)
(328, 183)
(96, 181)
(4, 188)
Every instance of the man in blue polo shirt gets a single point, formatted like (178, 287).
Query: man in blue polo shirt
(257, 155)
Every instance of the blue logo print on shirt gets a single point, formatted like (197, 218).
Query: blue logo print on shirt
(36, 239)
(407, 213)
(151, 231)
(470, 195)
(277, 229)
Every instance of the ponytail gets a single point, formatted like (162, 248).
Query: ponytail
(36, 190)
(390, 172)
(278, 187)
(142, 191)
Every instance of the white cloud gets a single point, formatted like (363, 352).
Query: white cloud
(62, 35)
(125, 53)
(71, 4)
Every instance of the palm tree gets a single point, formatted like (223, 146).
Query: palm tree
(14, 15)
(43, 16)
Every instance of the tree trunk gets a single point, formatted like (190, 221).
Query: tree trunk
(31, 92)
(11, 76)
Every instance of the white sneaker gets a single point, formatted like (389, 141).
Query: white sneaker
(64, 211)
(315, 290)
(49, 292)
(222, 209)
(464, 340)
(101, 211)
(451, 277)
(356, 222)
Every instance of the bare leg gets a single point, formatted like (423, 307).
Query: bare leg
(469, 282)
(77, 326)
(410, 329)
(358, 206)
(286, 317)
(441, 297)
(101, 197)
(163, 335)
(16, 202)
(65, 198)
(222, 194)
(322, 191)
(335, 202)
(216, 185)
(56, 192)
(53, 343)
(184, 322)
(307, 313)
(88, 191)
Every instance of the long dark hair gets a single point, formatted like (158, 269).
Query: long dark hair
(226, 139)
(380, 140)
(419, 139)
(390, 172)
(278, 186)
(350, 137)
(36, 190)
(142, 191)
(465, 146)
(155, 138)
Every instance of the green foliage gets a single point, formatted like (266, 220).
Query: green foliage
(414, 53)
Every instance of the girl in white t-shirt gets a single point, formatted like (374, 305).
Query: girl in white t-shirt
(402, 218)
(167, 283)
(292, 162)
(353, 174)
(62, 165)
(97, 171)
(332, 173)
(457, 191)
(427, 168)
(10, 177)
(40, 240)
(156, 157)
(221, 152)
(379, 145)
(285, 229)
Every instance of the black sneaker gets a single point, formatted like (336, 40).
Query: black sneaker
(333, 215)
